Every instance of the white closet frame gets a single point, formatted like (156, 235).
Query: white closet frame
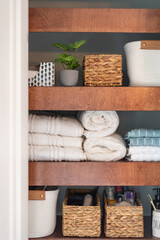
(13, 119)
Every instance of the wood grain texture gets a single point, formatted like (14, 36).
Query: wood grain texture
(95, 98)
(94, 173)
(37, 195)
(57, 235)
(153, 44)
(94, 20)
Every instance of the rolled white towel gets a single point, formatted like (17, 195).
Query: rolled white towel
(56, 125)
(52, 153)
(54, 140)
(111, 148)
(99, 123)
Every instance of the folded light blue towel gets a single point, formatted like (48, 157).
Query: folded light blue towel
(143, 133)
(155, 142)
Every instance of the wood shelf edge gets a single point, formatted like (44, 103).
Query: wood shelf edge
(97, 19)
(94, 173)
(95, 98)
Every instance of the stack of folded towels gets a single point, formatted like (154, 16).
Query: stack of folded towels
(55, 138)
(102, 143)
(143, 145)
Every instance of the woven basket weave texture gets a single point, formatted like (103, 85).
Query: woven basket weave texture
(102, 70)
(124, 222)
(81, 221)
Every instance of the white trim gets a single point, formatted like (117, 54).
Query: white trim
(14, 120)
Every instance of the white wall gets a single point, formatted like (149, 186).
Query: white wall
(13, 119)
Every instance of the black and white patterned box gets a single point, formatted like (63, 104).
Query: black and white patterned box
(45, 75)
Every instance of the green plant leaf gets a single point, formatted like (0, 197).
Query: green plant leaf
(58, 60)
(77, 44)
(63, 46)
(66, 57)
(69, 58)
(62, 55)
(71, 62)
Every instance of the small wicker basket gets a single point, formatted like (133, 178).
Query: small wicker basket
(124, 222)
(102, 70)
(81, 221)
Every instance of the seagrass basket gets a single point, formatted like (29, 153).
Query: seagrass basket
(102, 70)
(81, 221)
(124, 221)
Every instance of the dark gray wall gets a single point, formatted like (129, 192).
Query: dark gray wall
(96, 3)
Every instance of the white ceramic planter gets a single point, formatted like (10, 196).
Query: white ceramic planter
(69, 77)
(42, 215)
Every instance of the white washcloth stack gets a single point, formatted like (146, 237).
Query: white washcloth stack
(102, 143)
(55, 138)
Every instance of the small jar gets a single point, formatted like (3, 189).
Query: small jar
(156, 224)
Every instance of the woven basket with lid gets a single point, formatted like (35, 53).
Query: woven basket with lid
(102, 70)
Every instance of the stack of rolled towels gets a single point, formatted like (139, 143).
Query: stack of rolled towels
(101, 142)
(55, 138)
(143, 145)
(91, 136)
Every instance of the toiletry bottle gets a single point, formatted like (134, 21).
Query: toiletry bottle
(119, 193)
(110, 196)
(157, 198)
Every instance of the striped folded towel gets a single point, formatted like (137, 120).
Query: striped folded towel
(141, 133)
(144, 142)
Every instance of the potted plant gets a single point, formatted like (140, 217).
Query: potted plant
(69, 76)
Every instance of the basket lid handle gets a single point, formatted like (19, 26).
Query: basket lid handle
(36, 195)
(150, 44)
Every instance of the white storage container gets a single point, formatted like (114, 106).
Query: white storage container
(42, 75)
(42, 212)
(143, 63)
(156, 224)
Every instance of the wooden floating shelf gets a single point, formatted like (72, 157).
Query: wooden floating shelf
(94, 20)
(57, 235)
(94, 173)
(95, 98)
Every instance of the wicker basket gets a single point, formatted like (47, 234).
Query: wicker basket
(102, 70)
(81, 221)
(124, 222)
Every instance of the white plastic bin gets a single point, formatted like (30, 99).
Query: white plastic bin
(143, 63)
(42, 211)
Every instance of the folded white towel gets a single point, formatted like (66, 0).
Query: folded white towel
(56, 125)
(143, 153)
(148, 157)
(99, 123)
(111, 148)
(54, 140)
(52, 153)
(142, 149)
